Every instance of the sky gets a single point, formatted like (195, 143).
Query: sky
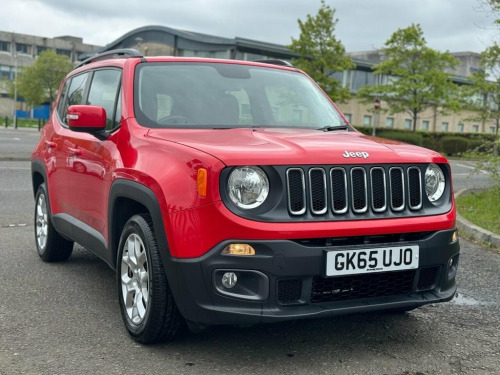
(363, 25)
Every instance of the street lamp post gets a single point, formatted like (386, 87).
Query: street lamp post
(15, 90)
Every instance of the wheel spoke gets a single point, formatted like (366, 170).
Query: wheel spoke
(135, 279)
(131, 247)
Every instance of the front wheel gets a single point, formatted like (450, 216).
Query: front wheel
(51, 246)
(146, 302)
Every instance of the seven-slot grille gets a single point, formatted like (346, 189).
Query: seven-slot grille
(356, 189)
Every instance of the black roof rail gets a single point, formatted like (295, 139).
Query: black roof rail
(113, 54)
(275, 62)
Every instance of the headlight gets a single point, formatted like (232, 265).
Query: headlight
(434, 182)
(248, 187)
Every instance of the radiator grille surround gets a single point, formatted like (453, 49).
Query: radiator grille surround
(354, 190)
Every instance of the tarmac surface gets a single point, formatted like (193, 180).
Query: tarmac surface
(64, 318)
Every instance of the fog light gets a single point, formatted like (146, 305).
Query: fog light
(452, 267)
(238, 249)
(229, 280)
(454, 237)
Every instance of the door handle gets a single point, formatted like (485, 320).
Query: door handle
(50, 144)
(75, 151)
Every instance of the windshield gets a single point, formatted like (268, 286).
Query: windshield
(218, 95)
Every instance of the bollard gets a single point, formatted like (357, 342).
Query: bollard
(6, 122)
(39, 124)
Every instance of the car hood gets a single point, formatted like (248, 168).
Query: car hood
(284, 146)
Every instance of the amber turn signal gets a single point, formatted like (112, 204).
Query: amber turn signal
(201, 181)
(238, 249)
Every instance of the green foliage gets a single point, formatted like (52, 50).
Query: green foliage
(453, 145)
(482, 208)
(39, 82)
(320, 53)
(483, 96)
(413, 77)
(411, 138)
(8, 86)
(433, 141)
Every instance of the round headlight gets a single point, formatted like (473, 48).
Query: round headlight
(434, 182)
(248, 187)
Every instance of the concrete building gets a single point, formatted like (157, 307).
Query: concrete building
(21, 50)
(161, 40)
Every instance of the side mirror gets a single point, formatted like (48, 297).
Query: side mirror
(86, 118)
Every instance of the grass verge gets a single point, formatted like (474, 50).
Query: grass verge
(482, 209)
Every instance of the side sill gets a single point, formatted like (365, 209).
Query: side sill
(82, 234)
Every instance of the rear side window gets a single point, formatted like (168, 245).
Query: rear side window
(104, 92)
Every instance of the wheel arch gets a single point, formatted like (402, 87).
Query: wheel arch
(38, 175)
(126, 199)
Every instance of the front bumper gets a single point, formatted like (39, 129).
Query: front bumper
(286, 280)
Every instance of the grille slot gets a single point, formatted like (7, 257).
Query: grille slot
(345, 288)
(338, 179)
(353, 190)
(358, 190)
(289, 290)
(296, 191)
(397, 189)
(317, 187)
(414, 188)
(378, 189)
(427, 278)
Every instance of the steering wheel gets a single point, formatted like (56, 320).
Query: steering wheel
(176, 120)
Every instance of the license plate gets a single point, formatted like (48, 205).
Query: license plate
(351, 262)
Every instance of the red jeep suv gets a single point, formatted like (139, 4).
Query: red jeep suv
(235, 192)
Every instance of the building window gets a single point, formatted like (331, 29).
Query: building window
(408, 124)
(4, 46)
(65, 52)
(40, 49)
(360, 78)
(444, 126)
(389, 122)
(492, 129)
(5, 71)
(475, 128)
(425, 125)
(348, 117)
(23, 48)
(367, 120)
(460, 128)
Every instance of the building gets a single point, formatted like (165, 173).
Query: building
(363, 114)
(161, 40)
(21, 50)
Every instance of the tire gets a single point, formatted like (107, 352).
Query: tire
(147, 306)
(50, 245)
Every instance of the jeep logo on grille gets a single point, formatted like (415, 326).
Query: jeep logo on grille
(348, 154)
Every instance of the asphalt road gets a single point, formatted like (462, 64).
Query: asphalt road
(64, 319)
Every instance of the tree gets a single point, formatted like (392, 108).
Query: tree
(320, 53)
(39, 82)
(483, 96)
(413, 77)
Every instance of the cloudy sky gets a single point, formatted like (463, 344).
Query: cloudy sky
(453, 25)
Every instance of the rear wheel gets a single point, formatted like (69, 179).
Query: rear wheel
(51, 246)
(146, 302)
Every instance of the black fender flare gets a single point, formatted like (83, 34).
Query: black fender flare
(123, 188)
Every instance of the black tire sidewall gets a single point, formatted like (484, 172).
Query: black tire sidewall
(135, 226)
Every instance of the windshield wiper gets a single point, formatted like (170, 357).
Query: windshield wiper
(333, 128)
